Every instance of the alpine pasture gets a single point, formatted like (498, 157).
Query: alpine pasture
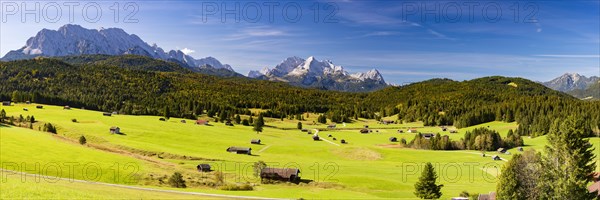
(149, 150)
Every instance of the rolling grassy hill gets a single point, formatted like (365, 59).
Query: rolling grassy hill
(368, 167)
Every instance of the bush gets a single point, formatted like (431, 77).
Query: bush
(49, 128)
(82, 140)
(245, 122)
(241, 187)
(176, 180)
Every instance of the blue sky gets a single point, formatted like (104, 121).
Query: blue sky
(406, 41)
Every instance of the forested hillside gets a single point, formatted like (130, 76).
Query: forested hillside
(139, 86)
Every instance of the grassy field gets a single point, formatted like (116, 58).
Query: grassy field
(369, 166)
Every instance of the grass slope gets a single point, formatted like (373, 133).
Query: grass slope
(368, 167)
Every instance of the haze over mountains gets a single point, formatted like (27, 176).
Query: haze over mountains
(73, 40)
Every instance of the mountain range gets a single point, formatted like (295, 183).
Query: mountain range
(571, 81)
(324, 74)
(74, 40)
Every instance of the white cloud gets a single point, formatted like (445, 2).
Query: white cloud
(187, 51)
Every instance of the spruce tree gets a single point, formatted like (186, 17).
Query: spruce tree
(426, 188)
(238, 119)
(568, 161)
(508, 183)
(299, 126)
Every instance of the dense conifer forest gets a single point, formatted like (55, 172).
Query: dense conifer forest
(143, 86)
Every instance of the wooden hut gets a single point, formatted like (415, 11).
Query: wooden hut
(316, 138)
(520, 149)
(365, 131)
(240, 150)
(412, 130)
(6, 103)
(400, 131)
(304, 130)
(501, 150)
(162, 119)
(201, 122)
(393, 139)
(453, 131)
(496, 157)
(39, 106)
(115, 130)
(115, 113)
(281, 174)
(27, 102)
(331, 126)
(255, 141)
(228, 123)
(343, 141)
(203, 167)
(183, 121)
(428, 135)
(66, 108)
(107, 114)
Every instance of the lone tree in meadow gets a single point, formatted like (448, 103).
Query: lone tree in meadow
(176, 180)
(167, 112)
(260, 120)
(257, 127)
(82, 140)
(426, 188)
(299, 125)
(238, 119)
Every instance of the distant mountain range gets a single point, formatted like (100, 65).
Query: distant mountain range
(74, 40)
(324, 74)
(571, 81)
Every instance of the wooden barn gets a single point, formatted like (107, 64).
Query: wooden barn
(201, 122)
(496, 157)
(393, 139)
(107, 114)
(304, 130)
(6, 103)
(412, 130)
(281, 174)
(453, 131)
(66, 108)
(365, 131)
(316, 138)
(203, 167)
(255, 141)
(25, 109)
(400, 131)
(501, 150)
(228, 123)
(343, 141)
(520, 148)
(240, 150)
(115, 130)
(39, 106)
(428, 135)
(162, 119)
(183, 121)
(331, 126)
(386, 122)
(27, 102)
(444, 128)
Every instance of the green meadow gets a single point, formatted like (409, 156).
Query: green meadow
(369, 166)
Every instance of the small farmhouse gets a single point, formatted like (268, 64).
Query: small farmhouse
(281, 174)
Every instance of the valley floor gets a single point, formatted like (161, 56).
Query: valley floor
(149, 151)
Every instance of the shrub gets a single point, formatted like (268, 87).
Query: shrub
(82, 140)
(240, 187)
(176, 180)
(49, 128)
(245, 122)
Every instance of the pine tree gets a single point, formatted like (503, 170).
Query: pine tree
(508, 184)
(257, 127)
(568, 161)
(426, 188)
(82, 140)
(238, 119)
(2, 115)
(167, 112)
(299, 126)
(260, 120)
(176, 180)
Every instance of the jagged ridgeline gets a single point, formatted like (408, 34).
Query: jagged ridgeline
(140, 85)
